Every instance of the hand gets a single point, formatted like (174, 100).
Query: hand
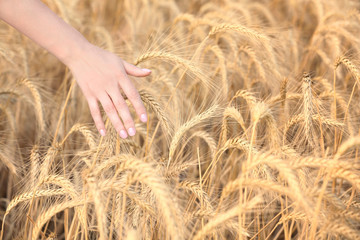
(102, 76)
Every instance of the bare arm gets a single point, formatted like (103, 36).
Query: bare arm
(99, 73)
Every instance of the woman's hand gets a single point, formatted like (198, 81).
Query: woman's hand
(102, 77)
(100, 74)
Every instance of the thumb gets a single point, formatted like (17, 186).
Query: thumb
(135, 71)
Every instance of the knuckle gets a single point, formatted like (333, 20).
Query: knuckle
(109, 108)
(115, 122)
(129, 122)
(120, 74)
(133, 95)
(120, 104)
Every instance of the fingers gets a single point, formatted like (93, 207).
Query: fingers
(96, 115)
(114, 104)
(112, 113)
(123, 110)
(135, 71)
(134, 97)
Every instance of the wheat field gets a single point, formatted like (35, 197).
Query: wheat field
(253, 131)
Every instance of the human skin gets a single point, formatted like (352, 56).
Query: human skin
(100, 74)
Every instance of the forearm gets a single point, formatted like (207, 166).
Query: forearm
(38, 22)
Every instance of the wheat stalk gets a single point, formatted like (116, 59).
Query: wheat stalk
(99, 208)
(8, 163)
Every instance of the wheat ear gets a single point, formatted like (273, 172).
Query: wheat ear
(225, 216)
(150, 101)
(308, 107)
(49, 213)
(38, 102)
(185, 127)
(145, 173)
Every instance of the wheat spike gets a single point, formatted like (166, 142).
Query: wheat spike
(185, 127)
(350, 66)
(341, 229)
(198, 192)
(144, 172)
(308, 107)
(29, 195)
(239, 143)
(171, 58)
(223, 217)
(252, 55)
(283, 90)
(150, 101)
(49, 213)
(239, 28)
(85, 131)
(38, 102)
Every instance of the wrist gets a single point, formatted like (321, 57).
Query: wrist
(73, 52)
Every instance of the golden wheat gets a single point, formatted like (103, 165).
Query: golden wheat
(227, 84)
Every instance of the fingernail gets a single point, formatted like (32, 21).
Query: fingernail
(123, 134)
(131, 131)
(143, 117)
(146, 70)
(102, 132)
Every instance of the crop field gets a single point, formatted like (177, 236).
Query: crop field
(253, 125)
